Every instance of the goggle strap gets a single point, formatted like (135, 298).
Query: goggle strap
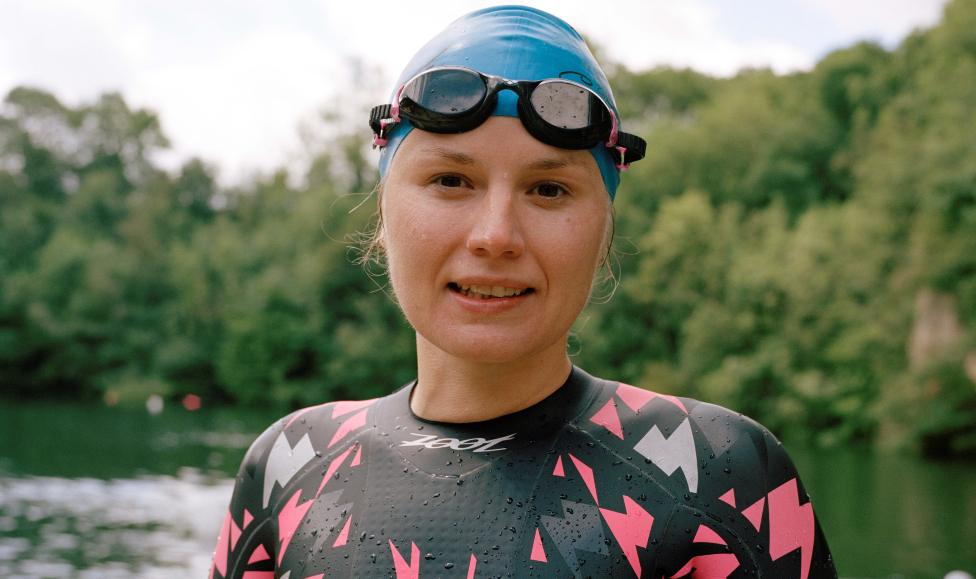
(380, 117)
(631, 148)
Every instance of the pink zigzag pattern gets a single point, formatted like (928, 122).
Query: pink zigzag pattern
(632, 529)
(288, 520)
(258, 554)
(608, 418)
(538, 551)
(354, 422)
(791, 525)
(235, 534)
(707, 535)
(728, 498)
(636, 398)
(403, 570)
(333, 467)
(345, 407)
(558, 469)
(754, 512)
(338, 409)
(715, 566)
(223, 541)
(587, 473)
(343, 534)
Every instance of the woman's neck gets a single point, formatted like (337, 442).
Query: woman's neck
(451, 389)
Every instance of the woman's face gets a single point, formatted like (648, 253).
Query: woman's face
(492, 239)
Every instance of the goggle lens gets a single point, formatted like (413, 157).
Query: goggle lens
(446, 91)
(564, 105)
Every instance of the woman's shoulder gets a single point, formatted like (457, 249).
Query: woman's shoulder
(638, 407)
(730, 466)
(683, 433)
(312, 430)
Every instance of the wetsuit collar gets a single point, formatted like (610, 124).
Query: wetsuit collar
(455, 448)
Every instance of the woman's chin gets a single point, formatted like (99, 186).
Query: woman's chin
(495, 348)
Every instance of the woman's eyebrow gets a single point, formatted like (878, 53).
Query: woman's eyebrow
(449, 155)
(550, 163)
(543, 164)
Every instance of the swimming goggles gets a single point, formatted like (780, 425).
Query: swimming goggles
(556, 111)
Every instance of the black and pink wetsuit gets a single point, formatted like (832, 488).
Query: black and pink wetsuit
(600, 479)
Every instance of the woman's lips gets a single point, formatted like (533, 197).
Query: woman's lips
(488, 292)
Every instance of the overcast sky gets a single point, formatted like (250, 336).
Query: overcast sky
(233, 80)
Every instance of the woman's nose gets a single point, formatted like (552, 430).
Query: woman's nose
(496, 230)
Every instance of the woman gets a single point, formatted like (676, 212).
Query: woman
(502, 459)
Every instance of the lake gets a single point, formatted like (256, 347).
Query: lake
(99, 492)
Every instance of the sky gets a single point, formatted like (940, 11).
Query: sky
(234, 80)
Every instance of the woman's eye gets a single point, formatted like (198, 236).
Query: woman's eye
(449, 181)
(550, 190)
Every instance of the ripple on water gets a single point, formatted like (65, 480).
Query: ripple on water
(153, 526)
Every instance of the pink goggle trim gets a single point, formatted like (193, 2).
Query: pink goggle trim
(612, 141)
(379, 139)
(395, 106)
(621, 166)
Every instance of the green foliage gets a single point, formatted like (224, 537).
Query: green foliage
(758, 138)
(121, 280)
(785, 225)
(660, 93)
(772, 247)
(945, 427)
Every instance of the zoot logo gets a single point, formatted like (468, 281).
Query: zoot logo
(473, 444)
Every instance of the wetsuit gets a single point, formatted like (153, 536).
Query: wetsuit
(600, 479)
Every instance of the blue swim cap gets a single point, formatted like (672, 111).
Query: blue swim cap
(518, 43)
